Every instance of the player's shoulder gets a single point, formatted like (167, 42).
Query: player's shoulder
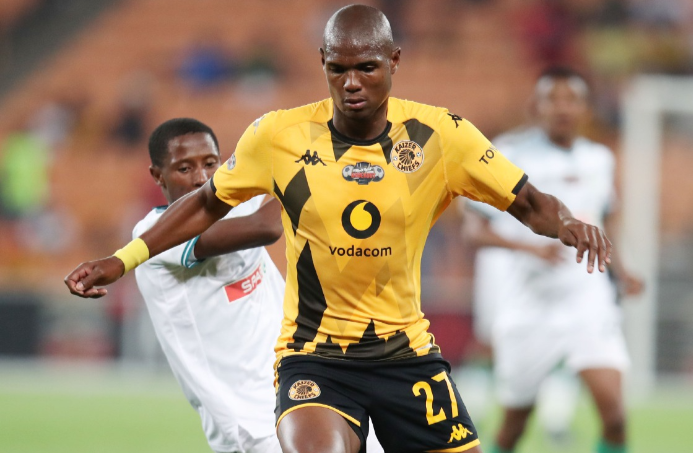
(148, 221)
(595, 151)
(402, 111)
(279, 120)
(517, 137)
(520, 142)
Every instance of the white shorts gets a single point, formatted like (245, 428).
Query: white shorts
(527, 350)
(249, 444)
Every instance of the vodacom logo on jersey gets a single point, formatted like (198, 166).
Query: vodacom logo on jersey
(245, 286)
(360, 219)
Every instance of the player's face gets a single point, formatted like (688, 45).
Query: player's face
(359, 77)
(191, 161)
(561, 110)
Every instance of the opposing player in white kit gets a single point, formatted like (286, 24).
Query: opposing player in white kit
(216, 301)
(545, 310)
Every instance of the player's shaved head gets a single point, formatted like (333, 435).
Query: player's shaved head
(359, 26)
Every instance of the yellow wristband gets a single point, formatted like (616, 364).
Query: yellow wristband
(133, 254)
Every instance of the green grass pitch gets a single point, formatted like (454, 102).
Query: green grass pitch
(86, 412)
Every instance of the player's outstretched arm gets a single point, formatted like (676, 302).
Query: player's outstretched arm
(477, 231)
(548, 216)
(263, 227)
(188, 217)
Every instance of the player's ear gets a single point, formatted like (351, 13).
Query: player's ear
(394, 60)
(157, 175)
(322, 57)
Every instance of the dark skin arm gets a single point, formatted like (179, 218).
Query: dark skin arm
(188, 217)
(628, 284)
(477, 231)
(546, 215)
(263, 227)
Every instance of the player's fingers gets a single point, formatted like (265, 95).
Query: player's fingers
(593, 248)
(582, 242)
(96, 293)
(604, 249)
(73, 278)
(88, 281)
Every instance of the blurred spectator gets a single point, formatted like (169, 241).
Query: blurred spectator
(206, 64)
(548, 29)
(130, 128)
(24, 180)
(261, 72)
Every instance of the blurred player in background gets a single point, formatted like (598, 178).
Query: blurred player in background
(215, 301)
(548, 312)
(362, 177)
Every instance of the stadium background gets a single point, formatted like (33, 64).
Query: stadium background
(83, 82)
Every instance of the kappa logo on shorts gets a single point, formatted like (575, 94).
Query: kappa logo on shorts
(459, 432)
(407, 156)
(304, 390)
(231, 163)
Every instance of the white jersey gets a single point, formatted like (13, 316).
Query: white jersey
(583, 178)
(217, 321)
(540, 314)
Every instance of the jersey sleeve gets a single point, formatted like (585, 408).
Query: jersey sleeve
(248, 172)
(474, 168)
(172, 258)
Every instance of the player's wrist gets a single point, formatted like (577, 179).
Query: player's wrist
(133, 254)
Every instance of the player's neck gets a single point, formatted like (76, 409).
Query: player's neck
(562, 141)
(362, 129)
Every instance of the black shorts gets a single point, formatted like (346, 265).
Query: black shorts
(413, 403)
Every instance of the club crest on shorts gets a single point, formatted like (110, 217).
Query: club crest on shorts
(363, 173)
(407, 156)
(231, 163)
(304, 390)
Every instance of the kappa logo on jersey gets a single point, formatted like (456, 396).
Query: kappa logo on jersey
(363, 173)
(309, 159)
(361, 219)
(304, 390)
(455, 118)
(407, 156)
(231, 163)
(245, 286)
(459, 432)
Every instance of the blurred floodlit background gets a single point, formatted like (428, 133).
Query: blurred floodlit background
(83, 82)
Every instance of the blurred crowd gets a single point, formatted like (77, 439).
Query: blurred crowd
(47, 221)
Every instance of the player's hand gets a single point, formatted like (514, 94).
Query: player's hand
(83, 280)
(586, 238)
(630, 285)
(552, 253)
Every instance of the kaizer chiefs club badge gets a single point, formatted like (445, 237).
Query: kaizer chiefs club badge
(407, 156)
(304, 390)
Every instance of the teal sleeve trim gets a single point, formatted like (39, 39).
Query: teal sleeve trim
(186, 260)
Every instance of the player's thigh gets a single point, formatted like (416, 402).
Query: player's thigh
(415, 406)
(606, 387)
(319, 405)
(523, 357)
(317, 429)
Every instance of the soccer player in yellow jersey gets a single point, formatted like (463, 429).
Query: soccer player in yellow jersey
(361, 178)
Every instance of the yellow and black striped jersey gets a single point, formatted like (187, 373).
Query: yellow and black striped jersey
(356, 216)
